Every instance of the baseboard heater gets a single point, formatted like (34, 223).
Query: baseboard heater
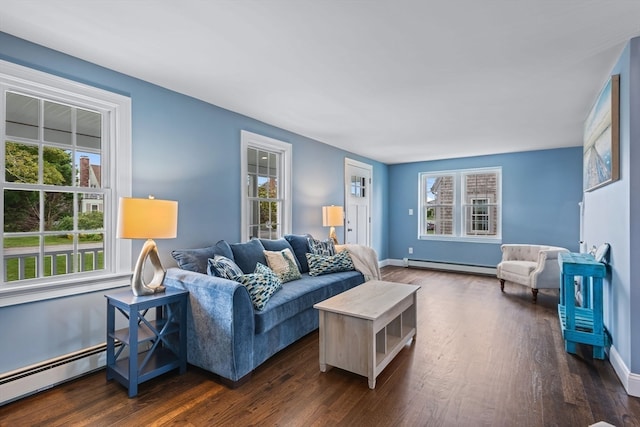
(450, 266)
(44, 375)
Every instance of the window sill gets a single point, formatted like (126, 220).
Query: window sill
(21, 294)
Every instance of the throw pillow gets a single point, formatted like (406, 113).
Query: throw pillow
(248, 254)
(318, 247)
(300, 247)
(220, 266)
(279, 245)
(197, 259)
(321, 264)
(260, 285)
(283, 264)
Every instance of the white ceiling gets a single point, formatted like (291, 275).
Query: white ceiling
(394, 80)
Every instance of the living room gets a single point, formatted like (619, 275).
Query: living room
(186, 149)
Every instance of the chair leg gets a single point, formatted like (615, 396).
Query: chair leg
(534, 293)
(502, 285)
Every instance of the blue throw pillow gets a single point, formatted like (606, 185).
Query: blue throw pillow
(197, 259)
(248, 254)
(318, 247)
(220, 266)
(322, 264)
(300, 245)
(260, 285)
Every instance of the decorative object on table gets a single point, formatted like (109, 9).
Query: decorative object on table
(602, 253)
(332, 216)
(147, 219)
(601, 157)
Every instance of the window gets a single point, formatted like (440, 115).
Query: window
(60, 143)
(463, 204)
(266, 187)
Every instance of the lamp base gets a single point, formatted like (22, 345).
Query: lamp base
(333, 236)
(138, 286)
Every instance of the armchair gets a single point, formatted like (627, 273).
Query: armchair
(535, 266)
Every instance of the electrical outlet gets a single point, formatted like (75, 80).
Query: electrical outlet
(410, 250)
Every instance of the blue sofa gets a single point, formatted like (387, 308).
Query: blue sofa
(225, 334)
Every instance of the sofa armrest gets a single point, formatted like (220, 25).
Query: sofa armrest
(220, 323)
(547, 273)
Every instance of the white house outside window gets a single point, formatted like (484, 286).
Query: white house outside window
(461, 205)
(266, 187)
(60, 144)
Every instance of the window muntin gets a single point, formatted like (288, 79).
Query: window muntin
(266, 198)
(461, 204)
(47, 124)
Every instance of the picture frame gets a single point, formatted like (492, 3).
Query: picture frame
(601, 143)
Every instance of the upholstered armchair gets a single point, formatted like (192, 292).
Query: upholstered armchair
(535, 266)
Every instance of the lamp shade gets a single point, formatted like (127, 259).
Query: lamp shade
(332, 216)
(147, 218)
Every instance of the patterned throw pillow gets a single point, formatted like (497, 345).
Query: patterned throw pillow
(221, 266)
(319, 264)
(283, 264)
(261, 285)
(318, 247)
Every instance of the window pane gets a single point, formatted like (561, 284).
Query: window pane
(21, 163)
(21, 211)
(58, 211)
(273, 164)
(252, 161)
(90, 212)
(57, 123)
(89, 170)
(20, 257)
(91, 252)
(22, 116)
(88, 129)
(57, 166)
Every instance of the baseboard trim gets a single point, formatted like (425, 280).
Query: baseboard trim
(629, 380)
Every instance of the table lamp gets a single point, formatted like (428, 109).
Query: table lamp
(147, 219)
(332, 216)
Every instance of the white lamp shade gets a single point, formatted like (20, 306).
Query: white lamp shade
(332, 216)
(147, 218)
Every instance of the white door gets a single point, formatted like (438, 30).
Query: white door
(358, 177)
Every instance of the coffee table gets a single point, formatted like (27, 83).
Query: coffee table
(362, 329)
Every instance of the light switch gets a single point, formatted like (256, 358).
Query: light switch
(410, 211)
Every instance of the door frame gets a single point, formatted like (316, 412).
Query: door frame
(347, 191)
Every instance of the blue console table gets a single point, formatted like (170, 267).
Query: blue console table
(582, 324)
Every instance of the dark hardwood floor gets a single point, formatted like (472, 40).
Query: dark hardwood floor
(481, 358)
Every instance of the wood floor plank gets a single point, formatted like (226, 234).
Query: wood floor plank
(481, 358)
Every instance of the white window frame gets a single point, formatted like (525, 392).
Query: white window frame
(284, 149)
(459, 217)
(116, 171)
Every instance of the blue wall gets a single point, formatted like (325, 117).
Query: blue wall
(540, 195)
(611, 215)
(187, 150)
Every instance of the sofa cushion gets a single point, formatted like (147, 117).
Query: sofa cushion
(321, 247)
(221, 266)
(197, 259)
(321, 264)
(300, 245)
(248, 254)
(302, 294)
(283, 264)
(278, 245)
(261, 285)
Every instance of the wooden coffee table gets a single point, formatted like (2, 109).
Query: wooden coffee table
(362, 329)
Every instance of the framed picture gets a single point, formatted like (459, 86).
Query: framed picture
(601, 156)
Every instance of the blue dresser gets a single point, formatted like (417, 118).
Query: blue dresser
(582, 324)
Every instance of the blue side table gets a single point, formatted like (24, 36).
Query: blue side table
(582, 324)
(166, 336)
